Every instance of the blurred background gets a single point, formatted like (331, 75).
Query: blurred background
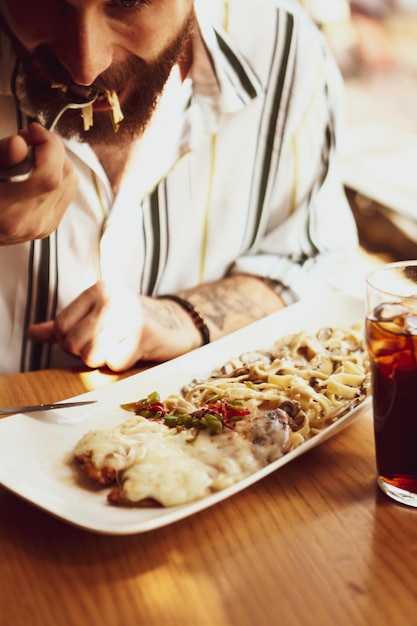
(375, 44)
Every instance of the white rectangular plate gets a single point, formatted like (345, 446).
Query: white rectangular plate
(35, 449)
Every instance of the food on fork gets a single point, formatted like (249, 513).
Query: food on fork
(244, 416)
(87, 111)
(87, 115)
(116, 114)
(115, 110)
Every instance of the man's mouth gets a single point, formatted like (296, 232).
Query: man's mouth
(95, 102)
(101, 103)
(79, 93)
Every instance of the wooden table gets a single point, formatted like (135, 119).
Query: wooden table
(315, 543)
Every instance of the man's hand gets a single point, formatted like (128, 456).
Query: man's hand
(114, 327)
(12, 150)
(32, 209)
(110, 325)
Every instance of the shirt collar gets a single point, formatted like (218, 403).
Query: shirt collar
(221, 75)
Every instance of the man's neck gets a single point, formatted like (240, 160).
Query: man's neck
(114, 162)
(185, 63)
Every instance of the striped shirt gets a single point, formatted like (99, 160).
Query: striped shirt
(237, 173)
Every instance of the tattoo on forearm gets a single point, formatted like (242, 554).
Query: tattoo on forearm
(165, 314)
(221, 302)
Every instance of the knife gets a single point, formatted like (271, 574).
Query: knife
(31, 408)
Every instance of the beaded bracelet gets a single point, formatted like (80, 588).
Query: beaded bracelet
(199, 322)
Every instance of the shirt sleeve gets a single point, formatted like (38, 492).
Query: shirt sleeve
(310, 234)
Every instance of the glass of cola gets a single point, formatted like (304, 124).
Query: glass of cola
(391, 339)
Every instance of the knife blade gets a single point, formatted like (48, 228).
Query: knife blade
(31, 408)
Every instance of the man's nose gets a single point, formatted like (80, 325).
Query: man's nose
(85, 48)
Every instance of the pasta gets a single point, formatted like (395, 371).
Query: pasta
(115, 110)
(87, 115)
(116, 114)
(325, 375)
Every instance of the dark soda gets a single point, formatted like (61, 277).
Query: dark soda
(391, 336)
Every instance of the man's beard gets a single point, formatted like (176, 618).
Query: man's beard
(40, 77)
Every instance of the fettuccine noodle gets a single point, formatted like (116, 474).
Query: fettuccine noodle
(324, 375)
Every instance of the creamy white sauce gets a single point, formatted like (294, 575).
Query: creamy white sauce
(174, 467)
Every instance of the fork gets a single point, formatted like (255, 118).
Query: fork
(23, 170)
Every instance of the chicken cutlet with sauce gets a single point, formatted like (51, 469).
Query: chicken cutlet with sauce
(146, 462)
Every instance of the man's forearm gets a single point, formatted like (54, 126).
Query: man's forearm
(233, 302)
(171, 327)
